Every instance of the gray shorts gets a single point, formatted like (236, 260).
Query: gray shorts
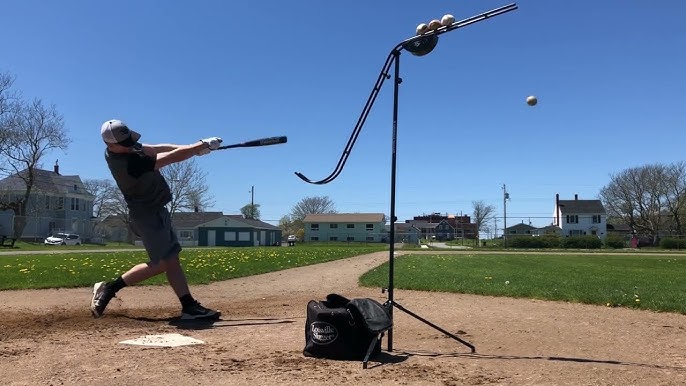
(155, 229)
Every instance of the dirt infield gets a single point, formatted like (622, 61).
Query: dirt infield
(48, 337)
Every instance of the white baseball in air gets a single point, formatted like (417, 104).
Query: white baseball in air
(422, 29)
(447, 19)
(531, 100)
(434, 24)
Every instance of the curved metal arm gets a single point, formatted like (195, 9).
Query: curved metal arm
(392, 57)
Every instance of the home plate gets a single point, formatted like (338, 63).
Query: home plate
(165, 340)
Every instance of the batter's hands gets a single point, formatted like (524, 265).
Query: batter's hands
(212, 143)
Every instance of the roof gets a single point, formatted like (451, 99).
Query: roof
(258, 224)
(581, 206)
(522, 226)
(45, 181)
(193, 219)
(344, 217)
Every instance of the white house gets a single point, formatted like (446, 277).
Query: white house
(580, 217)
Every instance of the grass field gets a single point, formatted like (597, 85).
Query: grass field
(203, 265)
(654, 282)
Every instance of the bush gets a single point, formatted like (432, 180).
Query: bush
(582, 242)
(673, 243)
(547, 241)
(614, 241)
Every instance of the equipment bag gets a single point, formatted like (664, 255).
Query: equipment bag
(339, 328)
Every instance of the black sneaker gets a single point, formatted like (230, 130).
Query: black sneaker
(101, 297)
(197, 311)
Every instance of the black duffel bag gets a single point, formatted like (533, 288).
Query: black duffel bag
(339, 328)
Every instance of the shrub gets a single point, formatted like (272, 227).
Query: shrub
(582, 242)
(547, 241)
(673, 243)
(614, 241)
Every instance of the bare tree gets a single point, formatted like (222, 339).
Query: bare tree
(188, 185)
(312, 205)
(34, 130)
(649, 198)
(483, 213)
(251, 211)
(104, 195)
(309, 205)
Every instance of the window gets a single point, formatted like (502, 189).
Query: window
(76, 188)
(370, 227)
(575, 232)
(572, 219)
(74, 203)
(186, 234)
(596, 219)
(350, 238)
(243, 236)
(370, 238)
(333, 226)
(314, 238)
(350, 226)
(229, 236)
(60, 203)
(333, 238)
(314, 227)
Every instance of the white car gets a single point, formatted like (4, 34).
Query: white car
(292, 238)
(63, 239)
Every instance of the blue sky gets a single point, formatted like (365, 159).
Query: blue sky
(609, 76)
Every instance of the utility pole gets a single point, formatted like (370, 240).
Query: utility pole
(252, 202)
(506, 196)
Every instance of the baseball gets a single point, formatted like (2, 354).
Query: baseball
(422, 29)
(447, 19)
(531, 100)
(434, 24)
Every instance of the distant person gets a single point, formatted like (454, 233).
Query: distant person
(136, 170)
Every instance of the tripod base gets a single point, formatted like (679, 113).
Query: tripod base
(449, 334)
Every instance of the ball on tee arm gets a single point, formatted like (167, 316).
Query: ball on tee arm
(447, 20)
(435, 24)
(422, 29)
(531, 100)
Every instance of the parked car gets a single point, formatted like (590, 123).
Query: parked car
(292, 238)
(63, 239)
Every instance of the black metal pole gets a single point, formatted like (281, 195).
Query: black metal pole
(394, 142)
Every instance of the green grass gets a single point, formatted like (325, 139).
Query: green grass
(39, 246)
(202, 265)
(655, 282)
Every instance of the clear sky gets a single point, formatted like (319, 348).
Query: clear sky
(609, 76)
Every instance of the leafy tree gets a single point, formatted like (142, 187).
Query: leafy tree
(251, 211)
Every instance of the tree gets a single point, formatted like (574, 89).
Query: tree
(309, 205)
(650, 198)
(482, 215)
(104, 195)
(30, 129)
(188, 185)
(251, 211)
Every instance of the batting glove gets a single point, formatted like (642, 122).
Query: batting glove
(212, 143)
(204, 151)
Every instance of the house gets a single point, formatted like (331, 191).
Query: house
(57, 203)
(546, 230)
(366, 227)
(520, 229)
(444, 231)
(427, 230)
(407, 233)
(207, 229)
(236, 231)
(462, 225)
(580, 217)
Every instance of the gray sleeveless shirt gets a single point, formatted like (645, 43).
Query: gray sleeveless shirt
(145, 189)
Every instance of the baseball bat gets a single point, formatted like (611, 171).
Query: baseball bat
(257, 142)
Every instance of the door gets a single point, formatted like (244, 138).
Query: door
(211, 238)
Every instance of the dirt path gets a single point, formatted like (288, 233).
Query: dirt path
(48, 337)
